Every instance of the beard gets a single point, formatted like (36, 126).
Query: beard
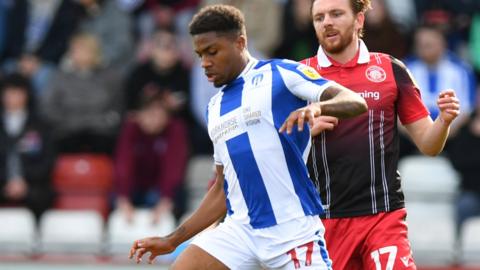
(339, 45)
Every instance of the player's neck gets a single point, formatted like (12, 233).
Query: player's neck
(244, 59)
(347, 54)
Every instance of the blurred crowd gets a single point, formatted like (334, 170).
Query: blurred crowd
(119, 78)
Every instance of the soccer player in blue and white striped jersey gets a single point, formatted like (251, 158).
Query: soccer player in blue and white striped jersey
(262, 182)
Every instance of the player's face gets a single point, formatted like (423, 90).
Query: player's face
(220, 56)
(429, 45)
(335, 24)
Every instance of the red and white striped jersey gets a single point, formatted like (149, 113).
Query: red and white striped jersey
(354, 166)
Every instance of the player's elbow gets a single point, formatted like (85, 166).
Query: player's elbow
(357, 107)
(362, 106)
(430, 151)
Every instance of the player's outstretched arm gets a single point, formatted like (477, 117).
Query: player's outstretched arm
(430, 136)
(336, 101)
(212, 208)
(341, 102)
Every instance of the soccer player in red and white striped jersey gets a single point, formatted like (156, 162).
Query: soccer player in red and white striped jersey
(354, 162)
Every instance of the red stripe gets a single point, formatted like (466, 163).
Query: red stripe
(293, 255)
(308, 259)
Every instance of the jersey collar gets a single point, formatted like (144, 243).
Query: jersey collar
(252, 62)
(363, 56)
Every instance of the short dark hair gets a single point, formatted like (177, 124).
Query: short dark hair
(19, 82)
(16, 80)
(218, 18)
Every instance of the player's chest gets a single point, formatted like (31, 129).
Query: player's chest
(373, 83)
(235, 113)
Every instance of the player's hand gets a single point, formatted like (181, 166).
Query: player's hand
(155, 245)
(307, 113)
(449, 106)
(322, 123)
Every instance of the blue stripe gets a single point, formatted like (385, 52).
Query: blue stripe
(229, 206)
(324, 254)
(232, 96)
(253, 188)
(261, 64)
(284, 102)
(432, 87)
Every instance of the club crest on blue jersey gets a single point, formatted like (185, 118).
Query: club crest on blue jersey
(257, 79)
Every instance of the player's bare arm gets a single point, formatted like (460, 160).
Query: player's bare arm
(430, 136)
(341, 102)
(211, 209)
(336, 101)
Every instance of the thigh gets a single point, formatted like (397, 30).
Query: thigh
(195, 258)
(228, 244)
(387, 245)
(344, 240)
(312, 255)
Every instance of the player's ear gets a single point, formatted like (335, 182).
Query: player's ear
(241, 42)
(359, 21)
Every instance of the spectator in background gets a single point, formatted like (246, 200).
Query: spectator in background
(298, 33)
(36, 37)
(381, 33)
(165, 14)
(165, 73)
(464, 154)
(435, 69)
(40, 28)
(151, 159)
(403, 13)
(173, 14)
(452, 17)
(162, 72)
(26, 151)
(114, 29)
(83, 101)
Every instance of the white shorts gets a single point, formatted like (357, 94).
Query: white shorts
(296, 244)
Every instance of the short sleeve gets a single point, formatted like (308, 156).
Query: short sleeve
(409, 103)
(303, 81)
(216, 156)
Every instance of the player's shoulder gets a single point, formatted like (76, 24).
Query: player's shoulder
(310, 61)
(276, 62)
(299, 68)
(387, 59)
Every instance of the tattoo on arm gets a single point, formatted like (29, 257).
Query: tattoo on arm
(341, 102)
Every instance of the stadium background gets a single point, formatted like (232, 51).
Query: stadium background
(96, 236)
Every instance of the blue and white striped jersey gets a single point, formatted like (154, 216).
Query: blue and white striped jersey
(266, 180)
